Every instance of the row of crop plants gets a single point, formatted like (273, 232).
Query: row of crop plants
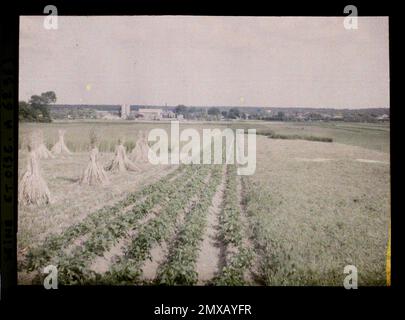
(180, 265)
(231, 232)
(128, 268)
(101, 226)
(105, 236)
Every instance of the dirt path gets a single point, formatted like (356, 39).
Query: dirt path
(210, 259)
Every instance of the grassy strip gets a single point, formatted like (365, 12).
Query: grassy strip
(272, 135)
(231, 234)
(39, 256)
(179, 269)
(128, 269)
(275, 265)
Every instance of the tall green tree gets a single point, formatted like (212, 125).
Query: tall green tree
(25, 112)
(181, 109)
(214, 111)
(37, 108)
(234, 113)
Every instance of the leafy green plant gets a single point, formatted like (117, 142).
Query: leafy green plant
(179, 268)
(232, 274)
(104, 236)
(231, 234)
(53, 245)
(159, 229)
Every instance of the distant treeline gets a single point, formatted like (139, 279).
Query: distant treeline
(37, 108)
(84, 111)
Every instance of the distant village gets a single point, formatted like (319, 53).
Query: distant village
(220, 113)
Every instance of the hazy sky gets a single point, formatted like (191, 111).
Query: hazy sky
(243, 61)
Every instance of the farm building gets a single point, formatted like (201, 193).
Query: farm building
(150, 114)
(107, 115)
(168, 114)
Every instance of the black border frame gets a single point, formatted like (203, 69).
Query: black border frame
(262, 299)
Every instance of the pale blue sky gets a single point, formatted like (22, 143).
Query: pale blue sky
(243, 61)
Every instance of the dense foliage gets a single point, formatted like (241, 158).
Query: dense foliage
(37, 108)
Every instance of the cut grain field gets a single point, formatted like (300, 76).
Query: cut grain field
(310, 209)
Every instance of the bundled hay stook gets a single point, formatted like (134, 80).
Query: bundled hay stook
(121, 162)
(32, 188)
(94, 173)
(140, 152)
(41, 150)
(60, 146)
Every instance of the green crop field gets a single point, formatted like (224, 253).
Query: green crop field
(311, 208)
